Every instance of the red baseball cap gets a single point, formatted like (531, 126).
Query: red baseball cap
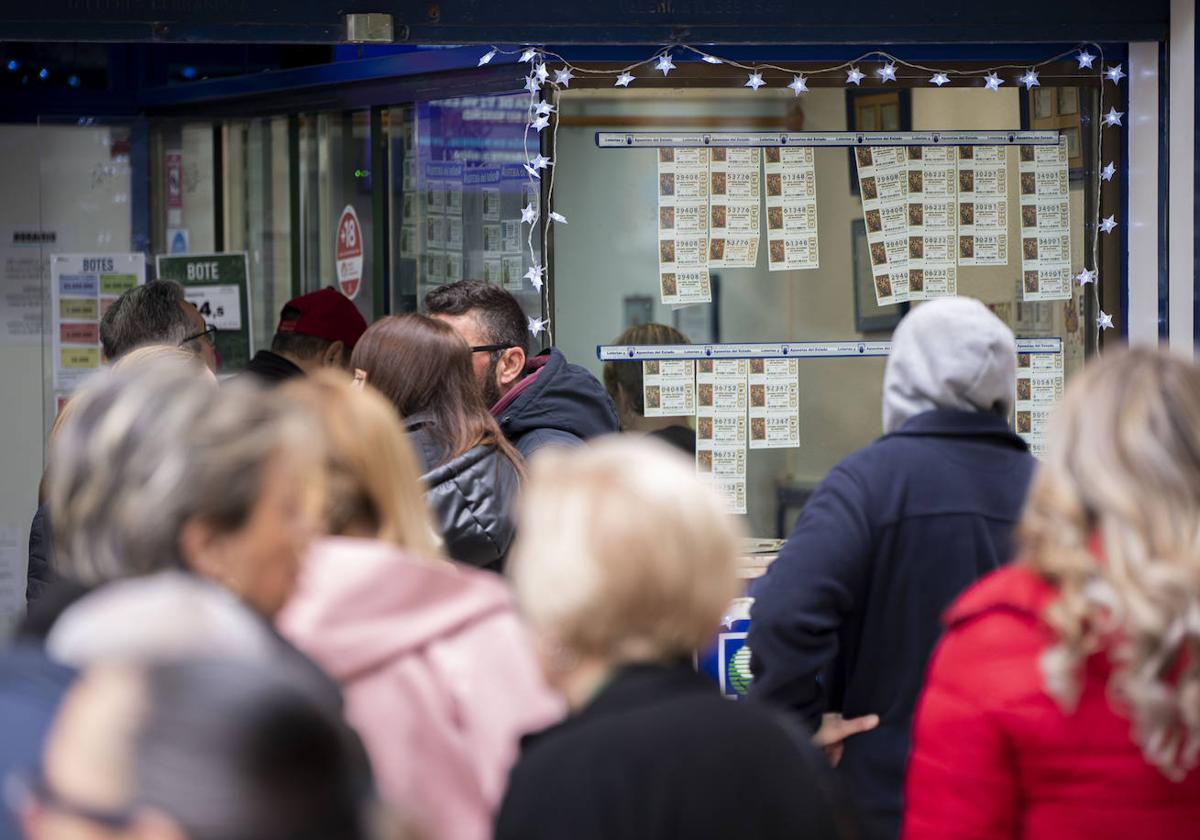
(326, 314)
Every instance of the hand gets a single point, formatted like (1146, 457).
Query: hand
(834, 731)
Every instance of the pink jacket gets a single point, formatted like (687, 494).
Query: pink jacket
(438, 674)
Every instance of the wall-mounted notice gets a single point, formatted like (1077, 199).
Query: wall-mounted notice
(735, 207)
(82, 287)
(442, 191)
(683, 226)
(932, 222)
(774, 403)
(982, 205)
(207, 279)
(1039, 388)
(669, 388)
(1045, 222)
(791, 209)
(883, 186)
(721, 388)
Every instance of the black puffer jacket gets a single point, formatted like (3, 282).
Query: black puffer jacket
(471, 497)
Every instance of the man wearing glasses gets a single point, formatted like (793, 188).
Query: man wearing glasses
(538, 401)
(156, 313)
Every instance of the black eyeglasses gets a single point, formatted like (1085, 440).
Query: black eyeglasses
(492, 348)
(32, 786)
(209, 335)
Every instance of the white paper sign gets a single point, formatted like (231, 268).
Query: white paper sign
(219, 306)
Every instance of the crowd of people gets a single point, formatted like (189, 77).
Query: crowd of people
(405, 581)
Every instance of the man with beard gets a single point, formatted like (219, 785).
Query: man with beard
(538, 401)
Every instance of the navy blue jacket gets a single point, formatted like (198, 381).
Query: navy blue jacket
(40, 571)
(564, 405)
(846, 618)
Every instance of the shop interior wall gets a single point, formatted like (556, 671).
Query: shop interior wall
(66, 181)
(607, 252)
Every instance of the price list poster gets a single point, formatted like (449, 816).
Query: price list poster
(683, 210)
(932, 222)
(721, 387)
(791, 209)
(735, 207)
(1045, 222)
(883, 187)
(82, 287)
(982, 205)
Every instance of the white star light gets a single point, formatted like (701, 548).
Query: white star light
(531, 84)
(486, 57)
(755, 81)
(563, 77)
(529, 55)
(537, 325)
(623, 80)
(1030, 79)
(1113, 117)
(1104, 322)
(665, 64)
(1108, 224)
(939, 79)
(887, 72)
(711, 59)
(543, 108)
(540, 123)
(854, 76)
(534, 276)
(993, 82)
(558, 218)
(1114, 74)
(1084, 277)
(528, 214)
(799, 85)
(1107, 172)
(533, 173)
(1085, 59)
(541, 72)
(541, 162)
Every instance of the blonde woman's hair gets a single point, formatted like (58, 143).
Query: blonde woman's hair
(373, 482)
(1123, 468)
(622, 552)
(162, 354)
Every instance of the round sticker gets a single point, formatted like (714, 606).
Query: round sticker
(349, 253)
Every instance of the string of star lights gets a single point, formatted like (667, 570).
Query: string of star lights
(884, 66)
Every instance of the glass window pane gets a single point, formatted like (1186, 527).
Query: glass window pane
(889, 117)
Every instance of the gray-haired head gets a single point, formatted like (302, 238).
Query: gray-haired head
(951, 353)
(147, 450)
(149, 314)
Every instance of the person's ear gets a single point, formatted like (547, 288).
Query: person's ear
(510, 366)
(332, 357)
(201, 547)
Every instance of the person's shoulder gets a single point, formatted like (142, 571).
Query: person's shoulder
(994, 638)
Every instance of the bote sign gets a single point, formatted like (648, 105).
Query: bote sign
(349, 253)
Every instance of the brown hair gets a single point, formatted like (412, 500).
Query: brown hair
(628, 375)
(373, 479)
(423, 366)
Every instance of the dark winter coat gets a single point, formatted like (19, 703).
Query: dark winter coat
(269, 368)
(659, 754)
(557, 403)
(40, 571)
(846, 618)
(471, 497)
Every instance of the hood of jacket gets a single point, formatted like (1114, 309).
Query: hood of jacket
(951, 353)
(559, 396)
(361, 603)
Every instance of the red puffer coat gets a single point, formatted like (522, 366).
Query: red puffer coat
(993, 755)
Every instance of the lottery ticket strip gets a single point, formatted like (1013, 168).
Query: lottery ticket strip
(748, 395)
